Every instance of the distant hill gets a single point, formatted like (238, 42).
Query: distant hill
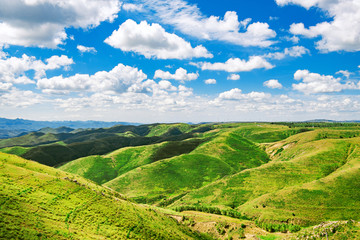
(14, 127)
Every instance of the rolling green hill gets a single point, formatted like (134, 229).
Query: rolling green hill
(303, 183)
(224, 154)
(39, 202)
(161, 173)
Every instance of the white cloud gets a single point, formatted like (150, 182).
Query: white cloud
(153, 41)
(42, 23)
(2, 53)
(84, 49)
(293, 39)
(210, 81)
(273, 83)
(233, 77)
(188, 19)
(55, 62)
(179, 75)
(342, 33)
(161, 97)
(296, 51)
(238, 65)
(346, 73)
(15, 70)
(18, 98)
(132, 7)
(119, 79)
(316, 83)
(236, 94)
(306, 4)
(5, 86)
(166, 85)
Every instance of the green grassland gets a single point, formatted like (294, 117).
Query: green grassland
(39, 202)
(280, 175)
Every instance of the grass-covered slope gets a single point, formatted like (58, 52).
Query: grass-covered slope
(15, 150)
(33, 139)
(225, 154)
(335, 196)
(104, 168)
(39, 202)
(300, 170)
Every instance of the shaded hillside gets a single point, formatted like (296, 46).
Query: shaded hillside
(55, 154)
(54, 149)
(50, 135)
(102, 169)
(38, 202)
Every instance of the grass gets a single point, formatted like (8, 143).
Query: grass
(41, 202)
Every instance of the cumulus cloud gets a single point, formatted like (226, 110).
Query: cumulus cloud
(166, 85)
(119, 79)
(236, 94)
(84, 49)
(273, 83)
(152, 41)
(15, 70)
(180, 74)
(238, 65)
(315, 83)
(233, 77)
(210, 81)
(42, 23)
(295, 51)
(188, 19)
(342, 33)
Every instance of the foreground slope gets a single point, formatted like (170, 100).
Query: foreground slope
(41, 202)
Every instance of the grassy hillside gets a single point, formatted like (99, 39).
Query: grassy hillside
(332, 197)
(39, 202)
(15, 150)
(300, 170)
(225, 154)
(104, 168)
(32, 139)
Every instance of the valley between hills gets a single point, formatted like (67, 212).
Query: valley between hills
(183, 181)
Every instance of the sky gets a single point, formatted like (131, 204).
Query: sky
(180, 60)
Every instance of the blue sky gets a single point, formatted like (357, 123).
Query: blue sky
(180, 60)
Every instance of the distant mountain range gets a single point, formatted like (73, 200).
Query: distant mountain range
(17, 127)
(327, 120)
